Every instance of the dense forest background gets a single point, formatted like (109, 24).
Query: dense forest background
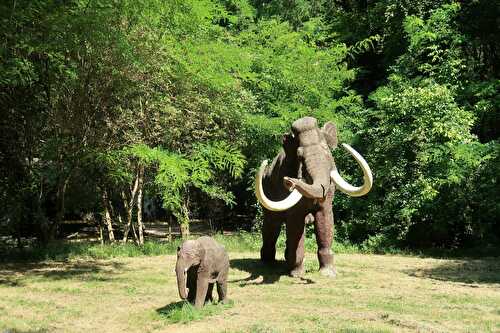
(105, 103)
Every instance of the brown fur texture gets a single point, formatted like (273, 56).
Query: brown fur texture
(305, 164)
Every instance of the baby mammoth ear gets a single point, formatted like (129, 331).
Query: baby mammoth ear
(201, 252)
(330, 133)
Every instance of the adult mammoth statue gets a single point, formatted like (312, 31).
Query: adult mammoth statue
(299, 186)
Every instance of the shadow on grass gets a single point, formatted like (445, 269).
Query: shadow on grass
(270, 272)
(473, 271)
(13, 275)
(169, 308)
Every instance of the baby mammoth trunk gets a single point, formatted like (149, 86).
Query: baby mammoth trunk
(181, 272)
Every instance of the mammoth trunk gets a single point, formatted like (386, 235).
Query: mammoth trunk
(318, 169)
(181, 280)
(317, 190)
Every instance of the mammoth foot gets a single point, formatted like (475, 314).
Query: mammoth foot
(297, 272)
(328, 271)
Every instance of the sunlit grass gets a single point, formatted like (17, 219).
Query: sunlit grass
(372, 293)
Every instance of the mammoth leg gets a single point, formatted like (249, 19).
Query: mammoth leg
(222, 285)
(295, 246)
(323, 227)
(222, 291)
(191, 284)
(270, 232)
(208, 298)
(201, 290)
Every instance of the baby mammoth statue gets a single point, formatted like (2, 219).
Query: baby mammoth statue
(200, 264)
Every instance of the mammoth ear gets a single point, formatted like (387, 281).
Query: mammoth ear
(290, 143)
(201, 253)
(287, 138)
(329, 131)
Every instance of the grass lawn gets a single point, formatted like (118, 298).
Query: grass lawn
(372, 293)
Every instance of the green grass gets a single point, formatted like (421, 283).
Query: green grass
(184, 312)
(372, 293)
(63, 250)
(66, 250)
(238, 242)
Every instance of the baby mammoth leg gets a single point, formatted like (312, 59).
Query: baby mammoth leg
(191, 285)
(222, 286)
(222, 291)
(208, 298)
(201, 290)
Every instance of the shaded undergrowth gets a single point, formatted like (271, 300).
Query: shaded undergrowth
(64, 250)
(238, 242)
(67, 250)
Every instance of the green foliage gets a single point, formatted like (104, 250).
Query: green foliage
(368, 44)
(292, 77)
(297, 13)
(202, 169)
(422, 146)
(198, 93)
(434, 48)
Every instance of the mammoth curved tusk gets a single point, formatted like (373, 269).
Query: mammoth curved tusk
(276, 206)
(341, 184)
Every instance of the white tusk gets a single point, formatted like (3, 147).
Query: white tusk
(276, 206)
(341, 184)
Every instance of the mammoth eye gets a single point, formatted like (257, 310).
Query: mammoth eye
(178, 248)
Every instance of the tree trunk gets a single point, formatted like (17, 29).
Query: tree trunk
(128, 216)
(184, 230)
(170, 228)
(134, 234)
(129, 206)
(60, 202)
(107, 216)
(128, 225)
(101, 236)
(184, 222)
(140, 225)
